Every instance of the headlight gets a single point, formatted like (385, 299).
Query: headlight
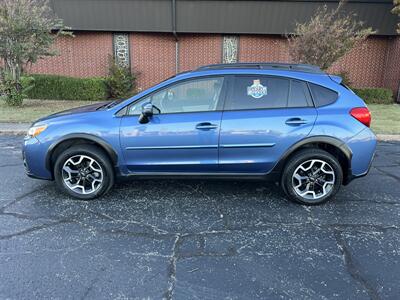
(36, 130)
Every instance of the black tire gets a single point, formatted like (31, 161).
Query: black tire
(301, 157)
(92, 152)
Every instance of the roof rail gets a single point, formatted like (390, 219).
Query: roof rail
(270, 66)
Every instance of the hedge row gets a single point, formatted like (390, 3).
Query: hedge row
(375, 95)
(53, 87)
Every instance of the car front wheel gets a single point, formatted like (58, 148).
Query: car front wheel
(84, 172)
(312, 176)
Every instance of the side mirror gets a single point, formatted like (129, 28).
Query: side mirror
(147, 113)
(147, 110)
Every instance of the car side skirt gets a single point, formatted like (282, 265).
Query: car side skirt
(189, 175)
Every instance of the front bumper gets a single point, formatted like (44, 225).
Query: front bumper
(33, 155)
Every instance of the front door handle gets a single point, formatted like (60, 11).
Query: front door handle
(295, 121)
(206, 126)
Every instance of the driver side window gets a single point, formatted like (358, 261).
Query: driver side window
(189, 96)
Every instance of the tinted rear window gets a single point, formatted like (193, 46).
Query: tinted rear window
(322, 96)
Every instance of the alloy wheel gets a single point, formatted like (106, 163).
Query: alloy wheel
(82, 174)
(313, 179)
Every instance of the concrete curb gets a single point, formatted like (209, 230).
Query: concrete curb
(12, 132)
(14, 128)
(22, 128)
(388, 137)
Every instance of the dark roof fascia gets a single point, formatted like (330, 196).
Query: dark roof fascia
(212, 16)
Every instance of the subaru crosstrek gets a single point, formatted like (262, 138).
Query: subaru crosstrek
(291, 123)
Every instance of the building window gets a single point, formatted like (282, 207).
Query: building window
(230, 49)
(121, 49)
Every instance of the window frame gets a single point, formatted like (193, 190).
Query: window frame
(230, 92)
(220, 101)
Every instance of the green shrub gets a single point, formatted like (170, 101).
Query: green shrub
(54, 87)
(375, 95)
(121, 82)
(28, 83)
(14, 91)
(11, 90)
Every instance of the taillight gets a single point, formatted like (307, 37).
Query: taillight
(362, 114)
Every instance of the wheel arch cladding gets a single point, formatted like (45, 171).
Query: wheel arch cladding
(75, 139)
(331, 145)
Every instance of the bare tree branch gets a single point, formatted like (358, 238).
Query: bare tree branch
(328, 36)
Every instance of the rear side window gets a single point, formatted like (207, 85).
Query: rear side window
(258, 92)
(322, 96)
(299, 95)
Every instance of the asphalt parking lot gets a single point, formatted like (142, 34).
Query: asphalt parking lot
(199, 239)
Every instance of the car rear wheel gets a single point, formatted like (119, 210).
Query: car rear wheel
(311, 177)
(84, 172)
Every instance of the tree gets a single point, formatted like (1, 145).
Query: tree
(396, 10)
(328, 36)
(28, 29)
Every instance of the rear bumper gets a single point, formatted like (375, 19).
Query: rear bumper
(350, 176)
(363, 147)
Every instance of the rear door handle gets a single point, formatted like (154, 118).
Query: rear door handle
(206, 126)
(295, 121)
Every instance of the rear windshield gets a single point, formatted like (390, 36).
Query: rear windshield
(322, 96)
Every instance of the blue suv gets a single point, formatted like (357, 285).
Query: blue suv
(290, 123)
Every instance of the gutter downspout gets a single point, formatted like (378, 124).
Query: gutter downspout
(175, 36)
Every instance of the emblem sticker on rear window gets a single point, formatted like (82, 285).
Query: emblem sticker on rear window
(257, 90)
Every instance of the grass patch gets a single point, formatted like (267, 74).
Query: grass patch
(385, 118)
(32, 110)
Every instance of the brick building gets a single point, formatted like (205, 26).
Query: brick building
(158, 38)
